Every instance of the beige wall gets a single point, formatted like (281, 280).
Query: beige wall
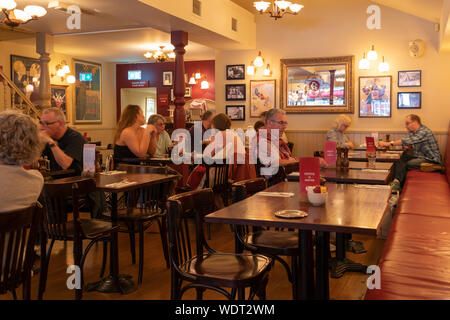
(335, 28)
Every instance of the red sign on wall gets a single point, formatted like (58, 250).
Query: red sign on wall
(139, 84)
(163, 100)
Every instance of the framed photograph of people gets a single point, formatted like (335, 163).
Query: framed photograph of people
(235, 92)
(409, 100)
(236, 112)
(411, 78)
(375, 95)
(236, 72)
(59, 98)
(26, 75)
(88, 92)
(188, 92)
(167, 78)
(262, 96)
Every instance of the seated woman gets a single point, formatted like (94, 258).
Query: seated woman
(336, 133)
(19, 145)
(163, 142)
(131, 140)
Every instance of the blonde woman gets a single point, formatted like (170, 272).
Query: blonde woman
(336, 133)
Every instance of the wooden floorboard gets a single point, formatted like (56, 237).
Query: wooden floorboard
(156, 282)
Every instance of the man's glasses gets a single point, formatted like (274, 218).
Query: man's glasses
(46, 123)
(281, 123)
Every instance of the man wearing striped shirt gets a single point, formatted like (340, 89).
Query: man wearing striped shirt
(422, 147)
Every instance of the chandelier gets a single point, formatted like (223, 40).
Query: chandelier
(277, 7)
(160, 55)
(15, 17)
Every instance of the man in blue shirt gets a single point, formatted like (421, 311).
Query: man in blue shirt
(422, 147)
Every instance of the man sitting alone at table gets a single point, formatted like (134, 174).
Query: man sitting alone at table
(422, 147)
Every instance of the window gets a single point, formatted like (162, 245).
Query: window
(150, 107)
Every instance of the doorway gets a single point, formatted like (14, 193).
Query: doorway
(143, 97)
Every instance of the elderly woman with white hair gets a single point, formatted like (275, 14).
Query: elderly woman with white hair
(20, 145)
(337, 132)
(163, 143)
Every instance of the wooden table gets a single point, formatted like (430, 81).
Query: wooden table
(55, 174)
(348, 209)
(114, 282)
(147, 161)
(382, 156)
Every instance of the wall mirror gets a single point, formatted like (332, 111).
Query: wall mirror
(317, 85)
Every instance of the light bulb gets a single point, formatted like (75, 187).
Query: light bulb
(372, 54)
(148, 54)
(295, 7)
(261, 6)
(20, 15)
(66, 69)
(198, 75)
(250, 70)
(192, 80)
(259, 62)
(29, 88)
(383, 66)
(7, 4)
(71, 79)
(364, 64)
(204, 85)
(282, 4)
(60, 72)
(35, 11)
(267, 71)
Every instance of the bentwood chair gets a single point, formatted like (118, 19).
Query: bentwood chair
(60, 198)
(143, 207)
(18, 234)
(271, 243)
(207, 269)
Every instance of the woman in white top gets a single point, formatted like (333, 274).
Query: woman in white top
(19, 145)
(337, 134)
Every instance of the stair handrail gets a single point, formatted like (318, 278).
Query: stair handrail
(27, 101)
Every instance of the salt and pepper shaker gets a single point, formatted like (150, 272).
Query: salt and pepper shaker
(345, 161)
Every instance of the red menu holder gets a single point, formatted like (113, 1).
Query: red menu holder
(370, 145)
(329, 152)
(309, 173)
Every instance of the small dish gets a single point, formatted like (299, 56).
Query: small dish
(291, 214)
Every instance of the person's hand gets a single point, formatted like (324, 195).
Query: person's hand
(384, 144)
(45, 137)
(350, 145)
(151, 129)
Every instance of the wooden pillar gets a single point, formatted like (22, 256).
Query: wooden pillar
(179, 40)
(44, 46)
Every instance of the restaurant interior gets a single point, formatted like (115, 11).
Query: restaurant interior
(335, 221)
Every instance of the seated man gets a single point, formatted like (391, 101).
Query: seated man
(422, 147)
(206, 124)
(163, 142)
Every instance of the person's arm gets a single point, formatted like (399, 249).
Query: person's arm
(151, 149)
(63, 160)
(137, 146)
(392, 143)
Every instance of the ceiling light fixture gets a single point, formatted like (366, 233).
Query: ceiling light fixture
(277, 8)
(15, 17)
(160, 55)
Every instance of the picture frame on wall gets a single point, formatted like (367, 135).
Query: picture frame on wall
(235, 92)
(236, 112)
(188, 92)
(88, 92)
(26, 75)
(262, 96)
(59, 98)
(375, 95)
(409, 100)
(235, 72)
(412, 78)
(167, 78)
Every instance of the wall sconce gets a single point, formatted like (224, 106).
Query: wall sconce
(383, 66)
(204, 84)
(259, 61)
(192, 80)
(364, 64)
(267, 71)
(250, 70)
(372, 54)
(62, 69)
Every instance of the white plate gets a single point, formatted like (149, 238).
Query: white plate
(291, 214)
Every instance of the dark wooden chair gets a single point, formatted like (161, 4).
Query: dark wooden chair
(271, 243)
(207, 269)
(143, 207)
(60, 198)
(18, 234)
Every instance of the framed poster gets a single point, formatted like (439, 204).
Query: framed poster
(411, 78)
(88, 92)
(262, 96)
(375, 95)
(235, 72)
(188, 92)
(59, 98)
(167, 78)
(235, 92)
(26, 75)
(236, 112)
(409, 100)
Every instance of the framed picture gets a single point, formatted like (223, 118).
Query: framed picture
(59, 98)
(88, 92)
(235, 92)
(26, 75)
(375, 95)
(411, 78)
(235, 72)
(262, 96)
(167, 78)
(409, 100)
(188, 92)
(236, 112)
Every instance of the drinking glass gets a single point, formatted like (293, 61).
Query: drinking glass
(371, 158)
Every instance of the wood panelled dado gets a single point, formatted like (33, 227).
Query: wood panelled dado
(308, 141)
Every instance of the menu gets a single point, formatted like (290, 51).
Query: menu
(309, 169)
(89, 159)
(370, 143)
(330, 152)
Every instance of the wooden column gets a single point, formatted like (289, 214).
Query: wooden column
(179, 39)
(44, 46)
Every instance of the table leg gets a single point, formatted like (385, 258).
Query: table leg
(114, 282)
(322, 257)
(341, 264)
(306, 265)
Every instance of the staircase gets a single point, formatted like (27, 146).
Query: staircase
(11, 97)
